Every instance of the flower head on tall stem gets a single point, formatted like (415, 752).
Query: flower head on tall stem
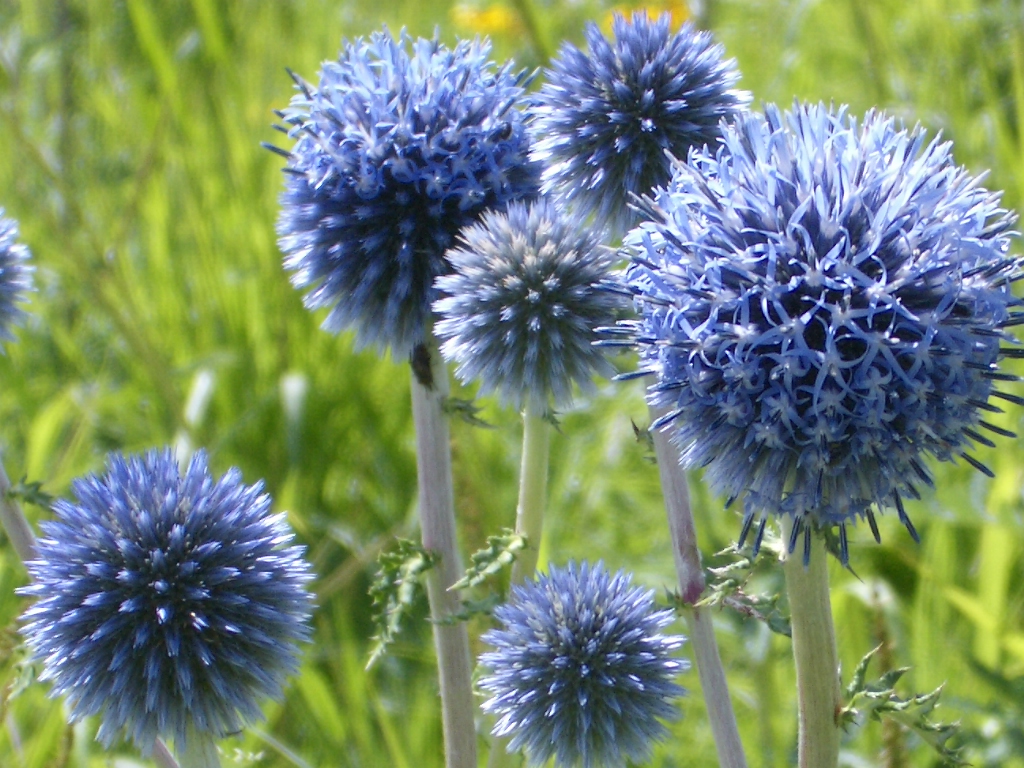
(606, 120)
(15, 276)
(167, 602)
(823, 303)
(580, 670)
(395, 151)
(529, 285)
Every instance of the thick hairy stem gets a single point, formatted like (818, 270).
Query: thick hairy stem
(814, 651)
(437, 523)
(691, 584)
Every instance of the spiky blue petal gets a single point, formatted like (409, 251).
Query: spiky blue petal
(166, 600)
(15, 276)
(580, 670)
(605, 119)
(395, 151)
(527, 290)
(823, 303)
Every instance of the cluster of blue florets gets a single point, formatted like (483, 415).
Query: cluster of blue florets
(580, 670)
(15, 276)
(823, 303)
(528, 290)
(395, 152)
(167, 600)
(607, 121)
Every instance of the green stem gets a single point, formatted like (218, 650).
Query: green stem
(814, 651)
(437, 525)
(533, 482)
(162, 756)
(200, 750)
(691, 584)
(13, 519)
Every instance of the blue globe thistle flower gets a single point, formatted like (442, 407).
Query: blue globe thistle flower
(529, 287)
(581, 671)
(167, 601)
(395, 152)
(15, 276)
(823, 304)
(606, 120)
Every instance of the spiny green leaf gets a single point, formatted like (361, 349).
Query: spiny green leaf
(878, 699)
(857, 682)
(646, 439)
(552, 418)
(26, 672)
(471, 608)
(726, 590)
(464, 409)
(499, 553)
(30, 493)
(394, 591)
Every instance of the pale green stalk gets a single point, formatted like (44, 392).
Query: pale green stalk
(437, 526)
(533, 483)
(814, 651)
(691, 585)
(200, 750)
(15, 525)
(162, 756)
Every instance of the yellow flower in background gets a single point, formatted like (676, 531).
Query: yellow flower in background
(492, 20)
(679, 10)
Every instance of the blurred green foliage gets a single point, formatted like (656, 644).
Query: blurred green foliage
(130, 134)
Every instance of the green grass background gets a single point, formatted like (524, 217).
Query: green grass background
(129, 152)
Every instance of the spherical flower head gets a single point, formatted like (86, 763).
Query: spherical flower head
(580, 670)
(167, 602)
(15, 276)
(823, 304)
(395, 152)
(529, 286)
(605, 119)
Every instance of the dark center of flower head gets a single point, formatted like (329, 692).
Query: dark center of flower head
(395, 154)
(167, 602)
(827, 306)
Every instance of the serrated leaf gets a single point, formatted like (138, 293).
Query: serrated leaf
(471, 608)
(25, 674)
(500, 553)
(467, 410)
(878, 699)
(30, 493)
(646, 439)
(394, 591)
(552, 418)
(726, 590)
(860, 672)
